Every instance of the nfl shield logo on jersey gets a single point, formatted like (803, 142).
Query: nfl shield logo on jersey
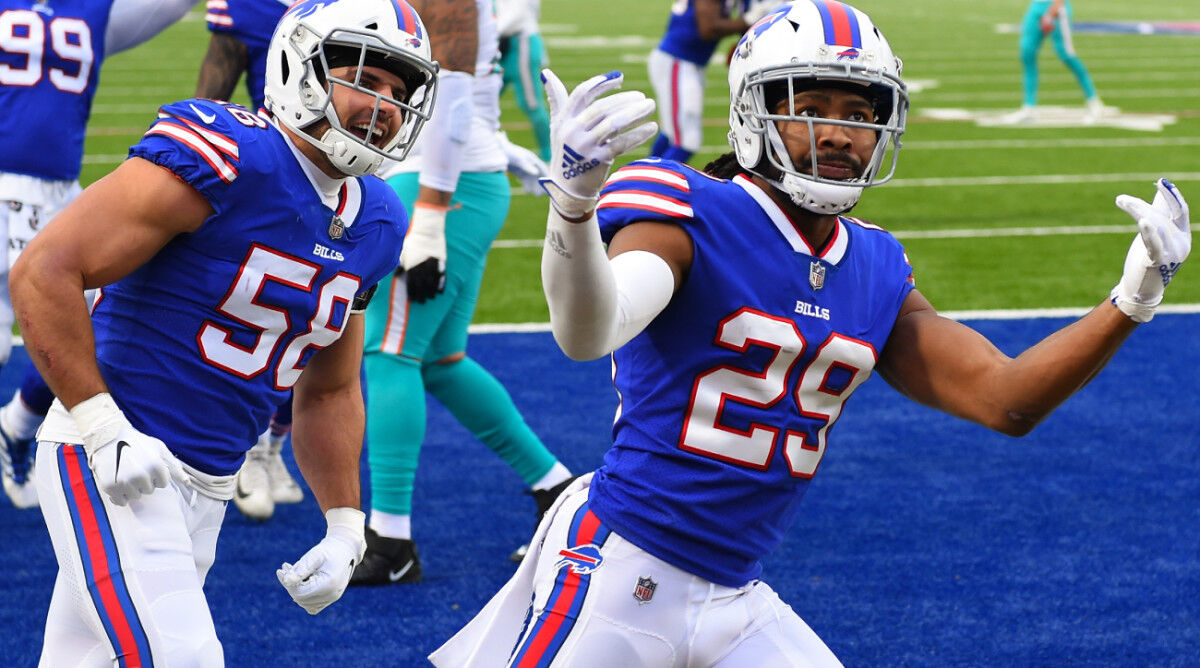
(644, 591)
(816, 275)
(336, 228)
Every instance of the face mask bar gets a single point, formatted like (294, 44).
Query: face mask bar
(415, 110)
(810, 75)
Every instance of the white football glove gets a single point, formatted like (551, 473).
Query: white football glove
(321, 575)
(125, 462)
(759, 9)
(423, 256)
(588, 133)
(1163, 242)
(525, 165)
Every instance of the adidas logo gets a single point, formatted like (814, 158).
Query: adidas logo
(574, 164)
(556, 243)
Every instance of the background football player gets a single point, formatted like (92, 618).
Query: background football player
(678, 65)
(236, 253)
(50, 62)
(417, 325)
(742, 308)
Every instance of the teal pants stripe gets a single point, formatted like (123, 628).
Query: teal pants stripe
(437, 329)
(1031, 43)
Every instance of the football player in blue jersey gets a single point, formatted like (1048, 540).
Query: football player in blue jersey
(234, 253)
(742, 307)
(678, 65)
(50, 59)
(241, 31)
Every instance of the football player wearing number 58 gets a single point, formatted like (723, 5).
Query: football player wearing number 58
(235, 253)
(742, 307)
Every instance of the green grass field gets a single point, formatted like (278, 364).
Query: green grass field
(959, 190)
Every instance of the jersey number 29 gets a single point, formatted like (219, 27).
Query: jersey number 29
(814, 394)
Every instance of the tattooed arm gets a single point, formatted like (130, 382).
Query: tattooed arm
(222, 67)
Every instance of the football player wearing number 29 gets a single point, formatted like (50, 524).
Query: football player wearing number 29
(50, 57)
(731, 375)
(234, 253)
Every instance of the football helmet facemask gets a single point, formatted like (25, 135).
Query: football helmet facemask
(800, 46)
(315, 36)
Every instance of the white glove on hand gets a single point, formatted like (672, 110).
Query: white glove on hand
(321, 575)
(588, 134)
(525, 165)
(423, 256)
(125, 462)
(1163, 242)
(759, 9)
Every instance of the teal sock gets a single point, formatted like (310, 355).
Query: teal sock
(395, 430)
(482, 405)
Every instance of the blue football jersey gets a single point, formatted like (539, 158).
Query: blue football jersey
(727, 398)
(252, 22)
(201, 344)
(50, 57)
(682, 38)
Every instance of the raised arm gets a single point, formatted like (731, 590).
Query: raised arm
(131, 22)
(947, 365)
(595, 305)
(222, 66)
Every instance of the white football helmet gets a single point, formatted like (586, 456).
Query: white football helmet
(314, 36)
(799, 46)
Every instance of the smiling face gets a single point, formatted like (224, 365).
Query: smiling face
(842, 151)
(356, 108)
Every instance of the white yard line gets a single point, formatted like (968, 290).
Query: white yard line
(996, 314)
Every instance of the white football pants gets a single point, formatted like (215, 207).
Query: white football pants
(130, 578)
(679, 92)
(600, 601)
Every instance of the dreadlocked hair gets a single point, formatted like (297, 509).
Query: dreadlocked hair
(725, 166)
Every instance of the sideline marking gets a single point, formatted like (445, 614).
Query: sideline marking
(994, 314)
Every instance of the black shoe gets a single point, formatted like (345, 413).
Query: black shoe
(544, 498)
(387, 561)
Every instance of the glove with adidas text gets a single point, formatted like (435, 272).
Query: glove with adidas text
(587, 133)
(321, 575)
(423, 257)
(1163, 242)
(125, 462)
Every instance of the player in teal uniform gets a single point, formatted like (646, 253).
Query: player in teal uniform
(235, 253)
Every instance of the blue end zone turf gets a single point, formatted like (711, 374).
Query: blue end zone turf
(924, 540)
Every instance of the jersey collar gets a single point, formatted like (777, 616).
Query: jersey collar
(343, 196)
(834, 250)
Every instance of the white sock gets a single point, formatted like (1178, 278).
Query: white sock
(557, 474)
(18, 420)
(390, 525)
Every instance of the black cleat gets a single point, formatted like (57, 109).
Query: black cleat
(387, 561)
(544, 498)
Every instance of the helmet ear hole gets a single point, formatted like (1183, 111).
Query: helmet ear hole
(285, 71)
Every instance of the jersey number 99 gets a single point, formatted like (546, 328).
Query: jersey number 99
(24, 33)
